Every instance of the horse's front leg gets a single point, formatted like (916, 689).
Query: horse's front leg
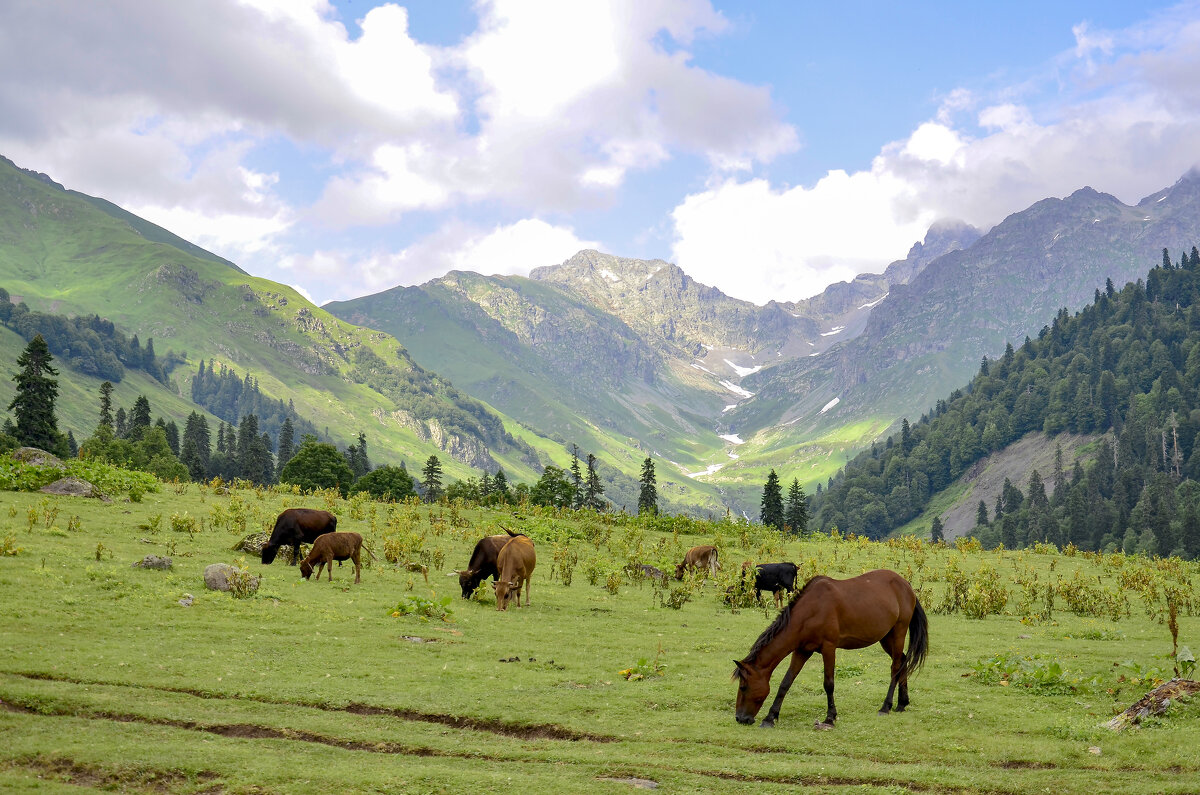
(799, 657)
(828, 652)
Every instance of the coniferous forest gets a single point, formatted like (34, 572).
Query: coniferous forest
(1125, 369)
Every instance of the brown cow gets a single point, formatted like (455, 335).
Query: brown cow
(704, 557)
(516, 562)
(330, 547)
(297, 526)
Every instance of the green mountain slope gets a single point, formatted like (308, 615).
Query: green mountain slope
(64, 253)
(1120, 380)
(557, 363)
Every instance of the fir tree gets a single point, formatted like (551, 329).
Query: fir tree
(592, 487)
(139, 418)
(795, 513)
(33, 404)
(772, 502)
(500, 486)
(120, 426)
(106, 416)
(431, 479)
(286, 442)
(936, 536)
(172, 431)
(648, 489)
(576, 478)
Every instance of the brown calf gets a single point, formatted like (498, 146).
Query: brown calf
(330, 547)
(704, 557)
(516, 562)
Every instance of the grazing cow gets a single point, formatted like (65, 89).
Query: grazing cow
(698, 558)
(482, 564)
(778, 578)
(334, 546)
(297, 526)
(516, 562)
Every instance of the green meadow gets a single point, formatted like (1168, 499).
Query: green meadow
(605, 683)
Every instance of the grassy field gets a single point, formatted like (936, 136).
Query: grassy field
(107, 681)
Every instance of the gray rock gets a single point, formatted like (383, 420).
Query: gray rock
(37, 457)
(217, 577)
(74, 487)
(252, 543)
(186, 601)
(153, 562)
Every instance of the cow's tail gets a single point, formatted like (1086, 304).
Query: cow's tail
(918, 640)
(369, 552)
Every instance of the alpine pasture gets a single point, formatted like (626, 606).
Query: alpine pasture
(607, 682)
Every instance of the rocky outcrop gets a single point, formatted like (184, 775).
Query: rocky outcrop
(74, 487)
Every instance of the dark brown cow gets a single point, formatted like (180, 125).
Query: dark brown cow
(296, 526)
(516, 562)
(482, 564)
(704, 557)
(334, 546)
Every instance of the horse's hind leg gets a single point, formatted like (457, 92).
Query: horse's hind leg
(893, 644)
(799, 657)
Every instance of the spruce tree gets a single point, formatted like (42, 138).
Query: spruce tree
(139, 418)
(172, 436)
(772, 502)
(33, 404)
(120, 426)
(648, 489)
(106, 415)
(576, 478)
(795, 514)
(431, 479)
(936, 536)
(287, 435)
(592, 487)
(500, 486)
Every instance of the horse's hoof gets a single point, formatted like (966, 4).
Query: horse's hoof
(885, 711)
(822, 726)
(767, 724)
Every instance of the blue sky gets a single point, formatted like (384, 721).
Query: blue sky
(767, 148)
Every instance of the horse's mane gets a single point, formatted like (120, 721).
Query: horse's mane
(779, 624)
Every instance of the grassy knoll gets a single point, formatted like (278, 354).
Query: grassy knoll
(106, 680)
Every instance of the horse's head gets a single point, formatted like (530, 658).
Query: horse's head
(754, 685)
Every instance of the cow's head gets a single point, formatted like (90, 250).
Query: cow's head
(268, 553)
(502, 587)
(467, 580)
(305, 569)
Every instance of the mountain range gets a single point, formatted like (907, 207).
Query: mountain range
(621, 357)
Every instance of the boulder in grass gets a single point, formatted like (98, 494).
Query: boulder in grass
(153, 562)
(37, 457)
(74, 487)
(223, 577)
(252, 543)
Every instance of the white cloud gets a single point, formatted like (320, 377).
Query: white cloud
(1127, 125)
(515, 248)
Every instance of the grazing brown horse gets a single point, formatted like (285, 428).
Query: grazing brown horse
(827, 615)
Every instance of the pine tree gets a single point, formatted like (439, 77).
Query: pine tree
(172, 436)
(287, 435)
(592, 487)
(500, 486)
(431, 479)
(120, 427)
(576, 478)
(33, 404)
(139, 418)
(106, 416)
(648, 489)
(772, 502)
(936, 536)
(795, 514)
(72, 445)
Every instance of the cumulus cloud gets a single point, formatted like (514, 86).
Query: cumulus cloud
(1124, 121)
(514, 248)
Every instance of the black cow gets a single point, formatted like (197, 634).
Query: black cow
(778, 578)
(296, 526)
(482, 564)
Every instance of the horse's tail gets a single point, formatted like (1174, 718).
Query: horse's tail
(918, 640)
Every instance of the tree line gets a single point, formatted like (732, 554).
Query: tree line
(90, 344)
(1125, 369)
